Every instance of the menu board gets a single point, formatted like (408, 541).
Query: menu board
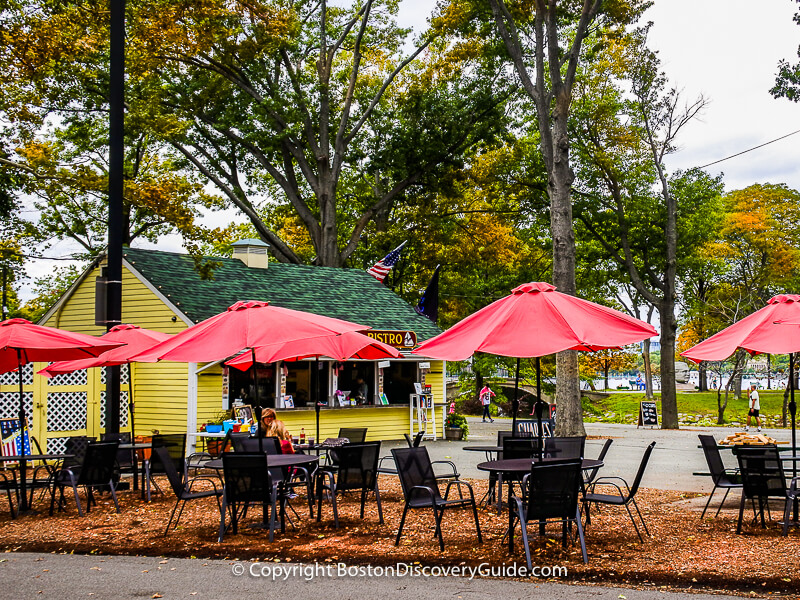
(648, 414)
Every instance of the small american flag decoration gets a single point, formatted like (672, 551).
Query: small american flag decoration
(14, 439)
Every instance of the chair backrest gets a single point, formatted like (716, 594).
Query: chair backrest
(501, 435)
(98, 463)
(604, 449)
(713, 458)
(356, 435)
(554, 488)
(124, 457)
(526, 447)
(642, 466)
(414, 443)
(251, 445)
(414, 469)
(246, 477)
(358, 466)
(762, 471)
(175, 444)
(564, 447)
(176, 478)
(76, 446)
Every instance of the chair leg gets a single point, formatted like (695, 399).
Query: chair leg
(172, 515)
(523, 525)
(378, 501)
(114, 494)
(741, 514)
(222, 510)
(475, 516)
(272, 515)
(402, 522)
(581, 537)
(719, 508)
(437, 515)
(635, 526)
(641, 518)
(708, 502)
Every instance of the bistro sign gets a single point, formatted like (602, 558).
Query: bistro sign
(397, 339)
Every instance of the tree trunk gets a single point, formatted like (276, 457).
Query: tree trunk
(605, 379)
(669, 399)
(702, 385)
(570, 415)
(648, 369)
(721, 406)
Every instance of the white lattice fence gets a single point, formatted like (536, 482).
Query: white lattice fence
(66, 411)
(12, 377)
(9, 405)
(123, 408)
(56, 445)
(74, 378)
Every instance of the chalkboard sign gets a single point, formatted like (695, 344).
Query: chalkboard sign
(648, 414)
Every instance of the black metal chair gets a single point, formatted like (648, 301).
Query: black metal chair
(416, 441)
(564, 447)
(515, 447)
(421, 490)
(357, 470)
(621, 498)
(356, 435)
(763, 478)
(175, 444)
(551, 492)
(247, 481)
(182, 486)
(96, 471)
(726, 479)
(591, 474)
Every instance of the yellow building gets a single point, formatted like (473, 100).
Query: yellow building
(162, 291)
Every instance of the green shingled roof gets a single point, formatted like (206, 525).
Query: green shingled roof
(348, 294)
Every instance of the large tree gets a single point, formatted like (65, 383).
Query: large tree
(646, 220)
(545, 42)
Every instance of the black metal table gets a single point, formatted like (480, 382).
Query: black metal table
(24, 458)
(520, 466)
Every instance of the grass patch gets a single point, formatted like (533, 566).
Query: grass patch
(694, 408)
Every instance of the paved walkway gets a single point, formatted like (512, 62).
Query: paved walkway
(72, 577)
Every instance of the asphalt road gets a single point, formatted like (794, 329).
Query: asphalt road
(72, 577)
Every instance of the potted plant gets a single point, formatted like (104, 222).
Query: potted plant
(456, 427)
(214, 425)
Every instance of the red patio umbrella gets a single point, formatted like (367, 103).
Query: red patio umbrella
(22, 342)
(763, 332)
(342, 346)
(136, 340)
(245, 326)
(535, 321)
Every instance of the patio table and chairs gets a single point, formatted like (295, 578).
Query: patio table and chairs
(518, 467)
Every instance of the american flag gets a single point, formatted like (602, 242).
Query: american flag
(381, 268)
(13, 443)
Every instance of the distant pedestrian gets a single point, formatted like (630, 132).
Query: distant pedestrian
(755, 407)
(486, 396)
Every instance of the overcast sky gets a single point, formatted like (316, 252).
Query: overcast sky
(726, 50)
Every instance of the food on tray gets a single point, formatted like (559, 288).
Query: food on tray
(747, 439)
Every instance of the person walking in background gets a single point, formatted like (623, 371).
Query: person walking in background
(755, 407)
(486, 396)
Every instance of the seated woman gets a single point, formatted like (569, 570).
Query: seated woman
(272, 426)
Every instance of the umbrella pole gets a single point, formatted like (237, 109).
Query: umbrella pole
(515, 403)
(539, 404)
(23, 464)
(316, 395)
(256, 400)
(792, 412)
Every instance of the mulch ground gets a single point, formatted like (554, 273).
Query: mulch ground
(683, 552)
